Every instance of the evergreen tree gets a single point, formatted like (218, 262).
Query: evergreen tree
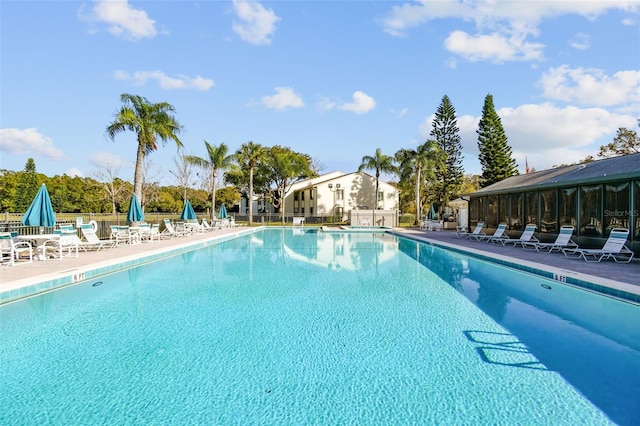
(28, 186)
(495, 153)
(445, 131)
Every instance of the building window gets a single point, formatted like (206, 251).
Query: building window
(617, 213)
(295, 196)
(302, 210)
(517, 211)
(591, 211)
(503, 208)
(492, 212)
(380, 196)
(636, 211)
(310, 210)
(482, 209)
(548, 211)
(340, 194)
(567, 203)
(302, 195)
(531, 207)
(295, 210)
(311, 194)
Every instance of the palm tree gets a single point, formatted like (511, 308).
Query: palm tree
(424, 158)
(380, 163)
(219, 160)
(150, 122)
(248, 156)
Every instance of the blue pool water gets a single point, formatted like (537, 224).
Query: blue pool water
(289, 328)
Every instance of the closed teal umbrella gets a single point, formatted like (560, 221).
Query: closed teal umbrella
(432, 213)
(135, 213)
(187, 212)
(40, 212)
(222, 214)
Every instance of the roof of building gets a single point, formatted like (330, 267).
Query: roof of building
(608, 169)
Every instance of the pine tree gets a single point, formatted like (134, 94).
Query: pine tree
(27, 187)
(495, 153)
(445, 132)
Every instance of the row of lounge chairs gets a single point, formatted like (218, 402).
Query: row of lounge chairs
(65, 241)
(614, 248)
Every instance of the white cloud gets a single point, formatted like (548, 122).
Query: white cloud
(140, 78)
(503, 27)
(325, 104)
(73, 172)
(544, 133)
(580, 41)
(591, 86)
(123, 20)
(255, 24)
(29, 142)
(284, 98)
(361, 104)
(103, 159)
(493, 47)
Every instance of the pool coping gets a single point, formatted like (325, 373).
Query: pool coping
(604, 286)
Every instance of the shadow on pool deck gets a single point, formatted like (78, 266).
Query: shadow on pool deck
(607, 272)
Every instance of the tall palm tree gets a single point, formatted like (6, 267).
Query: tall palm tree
(150, 122)
(380, 163)
(423, 159)
(219, 160)
(248, 156)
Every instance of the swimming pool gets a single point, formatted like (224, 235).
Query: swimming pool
(282, 327)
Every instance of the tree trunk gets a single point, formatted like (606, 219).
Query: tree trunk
(418, 203)
(138, 176)
(250, 200)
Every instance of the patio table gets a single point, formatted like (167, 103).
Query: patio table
(39, 240)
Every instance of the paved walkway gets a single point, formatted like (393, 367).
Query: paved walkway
(624, 276)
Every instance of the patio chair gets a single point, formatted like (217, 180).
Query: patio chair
(562, 241)
(123, 235)
(170, 231)
(206, 227)
(12, 251)
(93, 242)
(525, 237)
(66, 243)
(497, 234)
(476, 231)
(614, 248)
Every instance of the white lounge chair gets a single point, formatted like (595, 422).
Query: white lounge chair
(562, 241)
(476, 231)
(12, 251)
(65, 245)
(206, 227)
(525, 237)
(170, 231)
(615, 248)
(93, 242)
(497, 234)
(123, 235)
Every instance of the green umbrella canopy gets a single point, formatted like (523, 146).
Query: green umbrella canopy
(135, 213)
(40, 212)
(222, 214)
(187, 212)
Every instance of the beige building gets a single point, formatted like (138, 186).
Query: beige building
(337, 194)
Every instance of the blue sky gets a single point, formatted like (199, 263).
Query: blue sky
(333, 79)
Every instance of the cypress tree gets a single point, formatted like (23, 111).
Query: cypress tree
(27, 187)
(445, 132)
(495, 153)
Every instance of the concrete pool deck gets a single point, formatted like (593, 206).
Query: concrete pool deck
(619, 276)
